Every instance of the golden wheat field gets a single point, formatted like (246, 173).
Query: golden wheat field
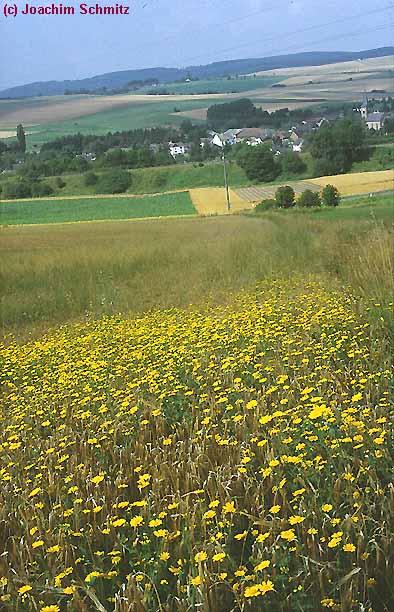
(212, 201)
(359, 182)
(228, 458)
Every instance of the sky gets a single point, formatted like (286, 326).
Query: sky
(181, 33)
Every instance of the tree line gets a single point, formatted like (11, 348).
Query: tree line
(243, 113)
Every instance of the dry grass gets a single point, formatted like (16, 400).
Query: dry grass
(51, 274)
(374, 64)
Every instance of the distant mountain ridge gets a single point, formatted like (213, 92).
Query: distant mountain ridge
(119, 79)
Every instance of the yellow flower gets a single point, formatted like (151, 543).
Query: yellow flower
(35, 492)
(38, 544)
(219, 557)
(259, 589)
(288, 535)
(209, 514)
(92, 575)
(326, 507)
(70, 590)
(357, 397)
(97, 479)
(52, 608)
(136, 521)
(294, 520)
(196, 581)
(262, 566)
(24, 589)
(253, 591)
(349, 547)
(228, 508)
(274, 509)
(201, 556)
(241, 536)
(312, 531)
(164, 556)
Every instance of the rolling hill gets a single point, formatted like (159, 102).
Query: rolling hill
(119, 79)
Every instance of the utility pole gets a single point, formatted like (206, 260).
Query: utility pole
(219, 143)
(226, 182)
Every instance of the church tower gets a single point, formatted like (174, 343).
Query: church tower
(364, 108)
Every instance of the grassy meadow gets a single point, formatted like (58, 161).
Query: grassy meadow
(196, 414)
(154, 180)
(41, 211)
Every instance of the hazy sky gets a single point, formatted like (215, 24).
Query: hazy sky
(181, 33)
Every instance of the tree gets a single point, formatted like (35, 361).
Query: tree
(330, 196)
(16, 190)
(41, 190)
(292, 163)
(309, 199)
(21, 138)
(389, 125)
(90, 179)
(258, 162)
(285, 197)
(335, 147)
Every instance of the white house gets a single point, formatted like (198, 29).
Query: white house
(298, 146)
(177, 148)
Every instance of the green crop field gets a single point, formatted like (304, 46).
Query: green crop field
(89, 209)
(234, 85)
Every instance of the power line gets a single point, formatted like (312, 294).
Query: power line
(294, 32)
(218, 25)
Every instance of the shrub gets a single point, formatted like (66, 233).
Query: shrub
(330, 196)
(90, 179)
(267, 204)
(60, 183)
(309, 199)
(15, 190)
(158, 181)
(116, 181)
(327, 167)
(285, 197)
(40, 190)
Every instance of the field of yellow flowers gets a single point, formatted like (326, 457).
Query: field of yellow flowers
(233, 458)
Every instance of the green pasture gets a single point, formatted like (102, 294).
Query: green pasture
(220, 86)
(94, 209)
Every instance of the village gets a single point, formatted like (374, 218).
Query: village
(282, 140)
